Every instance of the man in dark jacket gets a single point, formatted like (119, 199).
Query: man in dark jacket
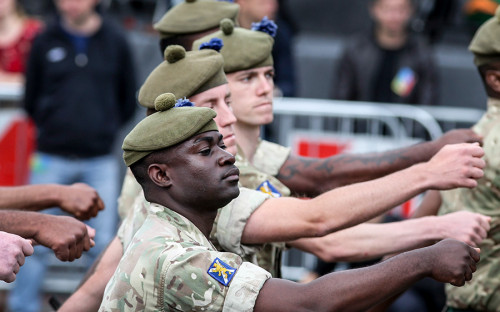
(80, 89)
(389, 64)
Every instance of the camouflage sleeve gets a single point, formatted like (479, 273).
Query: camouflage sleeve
(130, 189)
(232, 220)
(210, 280)
(491, 156)
(245, 288)
(133, 221)
(270, 157)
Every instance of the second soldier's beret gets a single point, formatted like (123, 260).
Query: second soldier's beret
(183, 74)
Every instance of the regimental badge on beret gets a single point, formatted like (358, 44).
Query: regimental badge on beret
(267, 188)
(221, 271)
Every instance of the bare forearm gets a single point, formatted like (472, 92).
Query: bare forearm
(310, 176)
(287, 219)
(313, 176)
(352, 290)
(23, 223)
(368, 241)
(29, 197)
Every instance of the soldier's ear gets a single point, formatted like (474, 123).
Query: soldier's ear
(158, 173)
(493, 79)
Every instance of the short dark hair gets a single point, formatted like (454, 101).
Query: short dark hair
(182, 40)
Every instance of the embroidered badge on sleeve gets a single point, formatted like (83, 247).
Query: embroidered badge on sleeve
(267, 188)
(221, 271)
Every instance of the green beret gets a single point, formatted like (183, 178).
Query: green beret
(486, 42)
(195, 16)
(183, 74)
(170, 125)
(243, 49)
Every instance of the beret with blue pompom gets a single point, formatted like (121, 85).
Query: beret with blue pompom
(243, 48)
(184, 74)
(173, 123)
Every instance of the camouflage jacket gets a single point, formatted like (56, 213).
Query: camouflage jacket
(171, 266)
(260, 175)
(267, 161)
(227, 230)
(130, 190)
(482, 292)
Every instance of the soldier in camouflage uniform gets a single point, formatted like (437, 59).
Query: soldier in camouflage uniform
(170, 265)
(483, 293)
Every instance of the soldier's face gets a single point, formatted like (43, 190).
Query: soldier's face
(202, 171)
(252, 93)
(219, 99)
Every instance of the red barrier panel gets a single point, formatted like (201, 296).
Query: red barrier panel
(17, 141)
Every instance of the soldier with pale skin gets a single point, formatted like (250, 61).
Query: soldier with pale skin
(171, 265)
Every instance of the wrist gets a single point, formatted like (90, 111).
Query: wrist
(421, 177)
(434, 229)
(56, 195)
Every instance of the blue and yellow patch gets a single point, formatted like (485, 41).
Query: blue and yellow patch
(221, 271)
(267, 188)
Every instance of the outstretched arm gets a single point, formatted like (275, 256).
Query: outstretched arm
(374, 240)
(287, 219)
(313, 176)
(88, 296)
(448, 261)
(78, 199)
(66, 236)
